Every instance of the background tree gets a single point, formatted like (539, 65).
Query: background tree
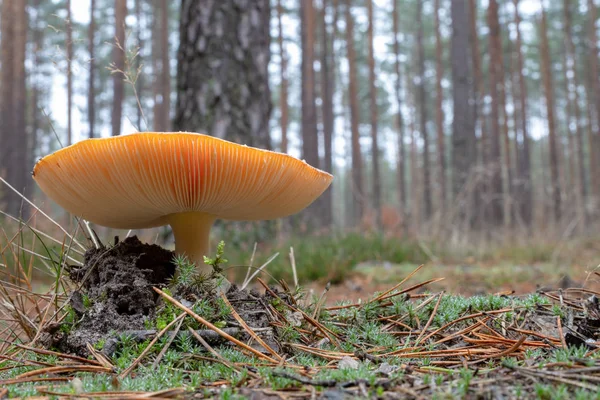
(357, 174)
(463, 125)
(422, 102)
(118, 65)
(224, 64)
(547, 78)
(496, 213)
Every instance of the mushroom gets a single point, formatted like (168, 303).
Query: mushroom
(185, 180)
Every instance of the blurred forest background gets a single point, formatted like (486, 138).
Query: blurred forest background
(439, 118)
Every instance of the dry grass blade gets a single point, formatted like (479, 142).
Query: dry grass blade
(250, 332)
(167, 345)
(430, 320)
(382, 295)
(508, 351)
(64, 369)
(123, 374)
(44, 214)
(59, 355)
(212, 327)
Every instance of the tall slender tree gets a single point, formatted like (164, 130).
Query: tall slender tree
(13, 133)
(401, 162)
(545, 65)
(573, 97)
(463, 125)
(357, 169)
(327, 90)
(119, 65)
(503, 113)
(139, 83)
(69, 44)
(373, 109)
(439, 108)
(479, 119)
(160, 64)
(7, 39)
(91, 100)
(283, 95)
(495, 162)
(524, 187)
(593, 99)
(310, 137)
(422, 106)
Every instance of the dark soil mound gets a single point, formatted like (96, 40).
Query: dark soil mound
(115, 297)
(116, 293)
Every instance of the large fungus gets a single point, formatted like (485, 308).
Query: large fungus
(185, 180)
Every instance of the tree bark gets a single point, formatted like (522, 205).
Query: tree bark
(482, 189)
(401, 163)
(573, 97)
(594, 100)
(119, 64)
(139, 83)
(328, 88)
(463, 125)
(165, 72)
(310, 136)
(503, 113)
(222, 71)
(439, 109)
(545, 65)
(69, 44)
(495, 162)
(422, 104)
(357, 178)
(13, 131)
(7, 40)
(283, 95)
(524, 186)
(373, 109)
(92, 65)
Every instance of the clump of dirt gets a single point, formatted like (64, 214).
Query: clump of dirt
(115, 293)
(115, 296)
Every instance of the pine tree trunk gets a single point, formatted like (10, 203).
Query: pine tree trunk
(506, 163)
(139, 83)
(594, 100)
(165, 71)
(36, 85)
(525, 184)
(494, 164)
(13, 132)
(283, 95)
(422, 105)
(119, 64)
(328, 88)
(401, 163)
(549, 95)
(69, 44)
(573, 95)
(373, 109)
(310, 136)
(463, 124)
(357, 178)
(439, 109)
(92, 65)
(222, 71)
(7, 40)
(482, 188)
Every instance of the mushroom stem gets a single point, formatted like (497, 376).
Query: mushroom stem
(192, 232)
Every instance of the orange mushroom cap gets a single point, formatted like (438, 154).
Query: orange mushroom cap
(145, 180)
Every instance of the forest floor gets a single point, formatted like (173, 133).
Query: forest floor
(119, 329)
